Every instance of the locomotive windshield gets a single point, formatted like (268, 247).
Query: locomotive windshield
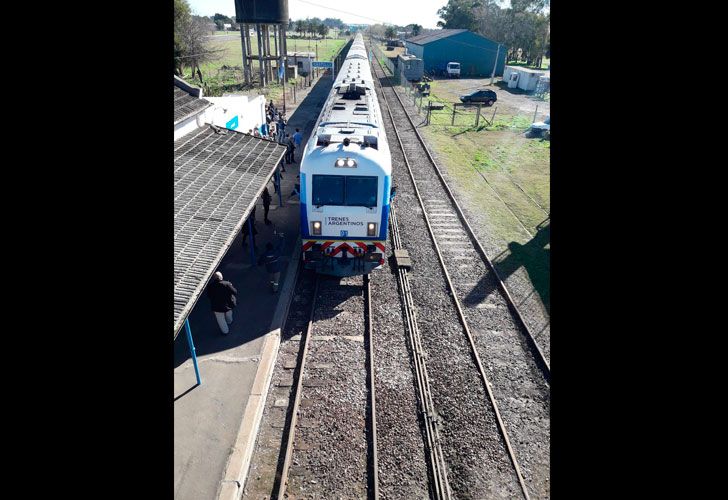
(353, 191)
(361, 191)
(328, 190)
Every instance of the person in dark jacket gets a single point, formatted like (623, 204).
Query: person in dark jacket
(223, 298)
(272, 260)
(290, 150)
(266, 205)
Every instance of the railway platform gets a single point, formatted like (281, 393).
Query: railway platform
(215, 423)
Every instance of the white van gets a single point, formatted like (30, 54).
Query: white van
(453, 70)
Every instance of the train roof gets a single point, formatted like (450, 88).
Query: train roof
(352, 110)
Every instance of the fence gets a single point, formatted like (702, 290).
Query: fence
(440, 112)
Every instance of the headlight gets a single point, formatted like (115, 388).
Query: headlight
(372, 229)
(345, 162)
(316, 228)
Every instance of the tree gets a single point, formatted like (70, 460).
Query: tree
(390, 32)
(415, 29)
(459, 14)
(190, 43)
(322, 30)
(181, 18)
(524, 25)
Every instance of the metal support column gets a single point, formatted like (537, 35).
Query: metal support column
(280, 188)
(268, 64)
(192, 350)
(284, 62)
(246, 71)
(276, 28)
(250, 51)
(261, 70)
(252, 241)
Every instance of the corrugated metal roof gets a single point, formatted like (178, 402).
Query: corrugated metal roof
(431, 37)
(218, 178)
(186, 104)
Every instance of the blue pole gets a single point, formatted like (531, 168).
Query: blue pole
(252, 242)
(278, 181)
(192, 350)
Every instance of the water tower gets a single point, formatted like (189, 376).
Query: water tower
(267, 16)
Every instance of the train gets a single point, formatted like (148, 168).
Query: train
(346, 176)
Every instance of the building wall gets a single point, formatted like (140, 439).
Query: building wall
(236, 112)
(415, 50)
(527, 80)
(475, 54)
(233, 112)
(412, 69)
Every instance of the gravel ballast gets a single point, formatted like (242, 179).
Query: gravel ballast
(519, 387)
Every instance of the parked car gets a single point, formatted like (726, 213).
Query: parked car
(453, 70)
(486, 96)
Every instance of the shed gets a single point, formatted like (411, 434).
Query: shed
(523, 78)
(302, 60)
(411, 67)
(476, 54)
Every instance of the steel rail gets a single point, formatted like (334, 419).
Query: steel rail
(461, 315)
(296, 402)
(374, 482)
(372, 395)
(530, 338)
(439, 486)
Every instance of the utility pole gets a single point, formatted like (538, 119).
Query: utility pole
(492, 75)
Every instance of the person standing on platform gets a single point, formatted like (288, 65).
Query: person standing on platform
(290, 149)
(272, 260)
(297, 140)
(281, 128)
(223, 299)
(266, 205)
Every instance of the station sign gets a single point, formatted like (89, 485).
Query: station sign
(322, 64)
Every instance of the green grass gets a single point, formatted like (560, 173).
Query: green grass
(517, 170)
(230, 53)
(510, 163)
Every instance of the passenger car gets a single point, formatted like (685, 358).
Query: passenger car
(485, 96)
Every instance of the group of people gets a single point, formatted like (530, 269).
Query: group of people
(274, 127)
(222, 294)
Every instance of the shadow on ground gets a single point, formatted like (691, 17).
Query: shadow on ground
(256, 302)
(535, 258)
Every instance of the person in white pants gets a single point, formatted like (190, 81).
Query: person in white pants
(223, 320)
(222, 299)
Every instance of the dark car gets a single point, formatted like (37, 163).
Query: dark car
(486, 96)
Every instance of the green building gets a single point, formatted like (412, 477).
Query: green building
(475, 53)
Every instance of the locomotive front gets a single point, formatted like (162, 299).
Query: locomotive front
(346, 177)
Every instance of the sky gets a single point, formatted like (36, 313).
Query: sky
(400, 12)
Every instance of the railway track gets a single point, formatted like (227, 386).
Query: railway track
(331, 441)
(510, 364)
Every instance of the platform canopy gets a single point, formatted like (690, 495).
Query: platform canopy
(219, 175)
(186, 102)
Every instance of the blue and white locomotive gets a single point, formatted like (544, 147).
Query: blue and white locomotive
(346, 175)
